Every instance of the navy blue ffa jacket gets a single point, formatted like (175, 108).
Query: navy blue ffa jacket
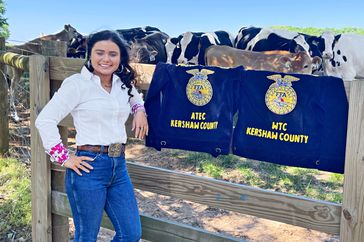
(292, 119)
(192, 107)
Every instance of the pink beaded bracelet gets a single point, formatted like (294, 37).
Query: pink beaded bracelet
(136, 107)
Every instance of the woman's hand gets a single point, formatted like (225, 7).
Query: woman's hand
(140, 124)
(76, 163)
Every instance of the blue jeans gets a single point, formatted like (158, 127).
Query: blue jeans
(107, 187)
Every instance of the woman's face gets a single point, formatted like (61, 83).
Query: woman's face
(105, 58)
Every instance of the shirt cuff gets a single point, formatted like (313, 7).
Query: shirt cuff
(58, 154)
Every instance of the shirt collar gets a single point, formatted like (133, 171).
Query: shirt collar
(90, 76)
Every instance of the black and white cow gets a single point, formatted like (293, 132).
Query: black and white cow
(77, 47)
(147, 45)
(189, 47)
(343, 55)
(266, 39)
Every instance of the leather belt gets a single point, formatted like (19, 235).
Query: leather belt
(113, 150)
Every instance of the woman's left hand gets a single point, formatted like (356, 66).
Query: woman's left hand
(140, 124)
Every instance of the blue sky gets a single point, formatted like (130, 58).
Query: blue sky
(29, 18)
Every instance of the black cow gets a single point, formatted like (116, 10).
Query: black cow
(189, 47)
(147, 45)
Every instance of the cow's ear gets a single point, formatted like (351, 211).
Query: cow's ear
(285, 61)
(67, 27)
(316, 61)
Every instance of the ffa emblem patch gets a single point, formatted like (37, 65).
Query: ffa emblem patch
(199, 90)
(281, 98)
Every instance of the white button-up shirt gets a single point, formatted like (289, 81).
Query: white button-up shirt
(99, 117)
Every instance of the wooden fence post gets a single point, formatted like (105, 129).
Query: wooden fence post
(352, 225)
(60, 224)
(42, 218)
(40, 166)
(4, 106)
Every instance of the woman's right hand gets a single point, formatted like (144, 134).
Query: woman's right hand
(76, 163)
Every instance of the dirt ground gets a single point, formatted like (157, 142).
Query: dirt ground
(216, 220)
(241, 226)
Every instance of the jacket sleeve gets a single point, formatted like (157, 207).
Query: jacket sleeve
(333, 141)
(153, 103)
(62, 103)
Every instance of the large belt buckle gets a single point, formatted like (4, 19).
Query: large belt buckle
(115, 150)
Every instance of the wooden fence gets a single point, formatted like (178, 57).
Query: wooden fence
(50, 208)
(19, 62)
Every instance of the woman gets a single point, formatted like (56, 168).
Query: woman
(99, 99)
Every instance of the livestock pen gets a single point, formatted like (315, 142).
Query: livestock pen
(50, 208)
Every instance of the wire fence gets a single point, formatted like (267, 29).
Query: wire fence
(19, 132)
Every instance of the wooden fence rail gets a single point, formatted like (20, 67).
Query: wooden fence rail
(15, 60)
(48, 196)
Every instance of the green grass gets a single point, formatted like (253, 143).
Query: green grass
(15, 201)
(293, 180)
(15, 205)
(319, 31)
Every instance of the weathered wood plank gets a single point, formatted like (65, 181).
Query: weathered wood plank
(352, 226)
(60, 226)
(60, 68)
(290, 209)
(154, 229)
(4, 107)
(40, 166)
(300, 211)
(15, 60)
(144, 74)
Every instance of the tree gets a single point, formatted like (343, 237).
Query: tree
(4, 27)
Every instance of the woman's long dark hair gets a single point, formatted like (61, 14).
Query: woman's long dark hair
(124, 71)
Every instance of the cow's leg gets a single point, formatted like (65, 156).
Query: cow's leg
(15, 80)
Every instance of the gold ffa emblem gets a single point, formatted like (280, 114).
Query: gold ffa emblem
(199, 90)
(281, 98)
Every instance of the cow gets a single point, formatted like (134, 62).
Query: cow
(77, 47)
(343, 55)
(34, 46)
(266, 39)
(189, 47)
(30, 48)
(278, 61)
(146, 45)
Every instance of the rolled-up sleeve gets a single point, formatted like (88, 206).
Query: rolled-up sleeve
(62, 103)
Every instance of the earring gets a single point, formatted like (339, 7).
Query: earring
(120, 69)
(89, 64)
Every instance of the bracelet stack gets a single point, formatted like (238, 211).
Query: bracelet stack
(136, 107)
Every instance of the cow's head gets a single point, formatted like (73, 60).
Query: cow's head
(69, 33)
(141, 52)
(299, 63)
(77, 47)
(329, 40)
(150, 49)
